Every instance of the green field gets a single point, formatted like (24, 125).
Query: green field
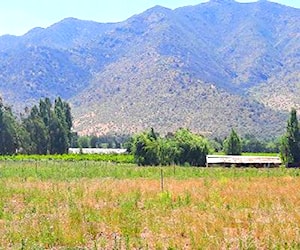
(116, 158)
(104, 205)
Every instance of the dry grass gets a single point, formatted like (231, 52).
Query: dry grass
(243, 213)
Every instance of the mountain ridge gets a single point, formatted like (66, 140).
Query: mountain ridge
(208, 67)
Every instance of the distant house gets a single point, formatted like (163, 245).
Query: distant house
(97, 151)
(242, 161)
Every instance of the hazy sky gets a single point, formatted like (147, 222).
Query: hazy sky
(19, 16)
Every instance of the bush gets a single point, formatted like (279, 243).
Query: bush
(182, 148)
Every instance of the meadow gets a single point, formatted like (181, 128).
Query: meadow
(104, 205)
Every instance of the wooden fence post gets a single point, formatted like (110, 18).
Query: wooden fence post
(162, 179)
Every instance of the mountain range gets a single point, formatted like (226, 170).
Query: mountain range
(210, 67)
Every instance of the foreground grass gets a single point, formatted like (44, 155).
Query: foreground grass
(107, 206)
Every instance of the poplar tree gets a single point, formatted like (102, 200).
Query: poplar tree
(290, 146)
(59, 143)
(8, 131)
(49, 127)
(233, 145)
(38, 132)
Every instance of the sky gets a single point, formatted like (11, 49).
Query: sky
(19, 16)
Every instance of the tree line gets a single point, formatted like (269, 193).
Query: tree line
(181, 148)
(184, 147)
(101, 141)
(249, 144)
(46, 128)
(43, 129)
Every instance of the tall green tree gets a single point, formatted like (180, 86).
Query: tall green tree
(290, 146)
(45, 111)
(8, 131)
(59, 142)
(68, 119)
(38, 133)
(59, 110)
(62, 112)
(49, 127)
(233, 144)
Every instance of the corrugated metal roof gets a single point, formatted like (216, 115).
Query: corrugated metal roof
(238, 159)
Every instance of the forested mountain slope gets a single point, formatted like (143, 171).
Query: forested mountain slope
(209, 67)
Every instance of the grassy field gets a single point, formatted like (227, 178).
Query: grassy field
(96, 205)
(116, 158)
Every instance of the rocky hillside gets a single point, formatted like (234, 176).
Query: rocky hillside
(209, 67)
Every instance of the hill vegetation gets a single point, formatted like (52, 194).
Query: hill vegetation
(209, 67)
